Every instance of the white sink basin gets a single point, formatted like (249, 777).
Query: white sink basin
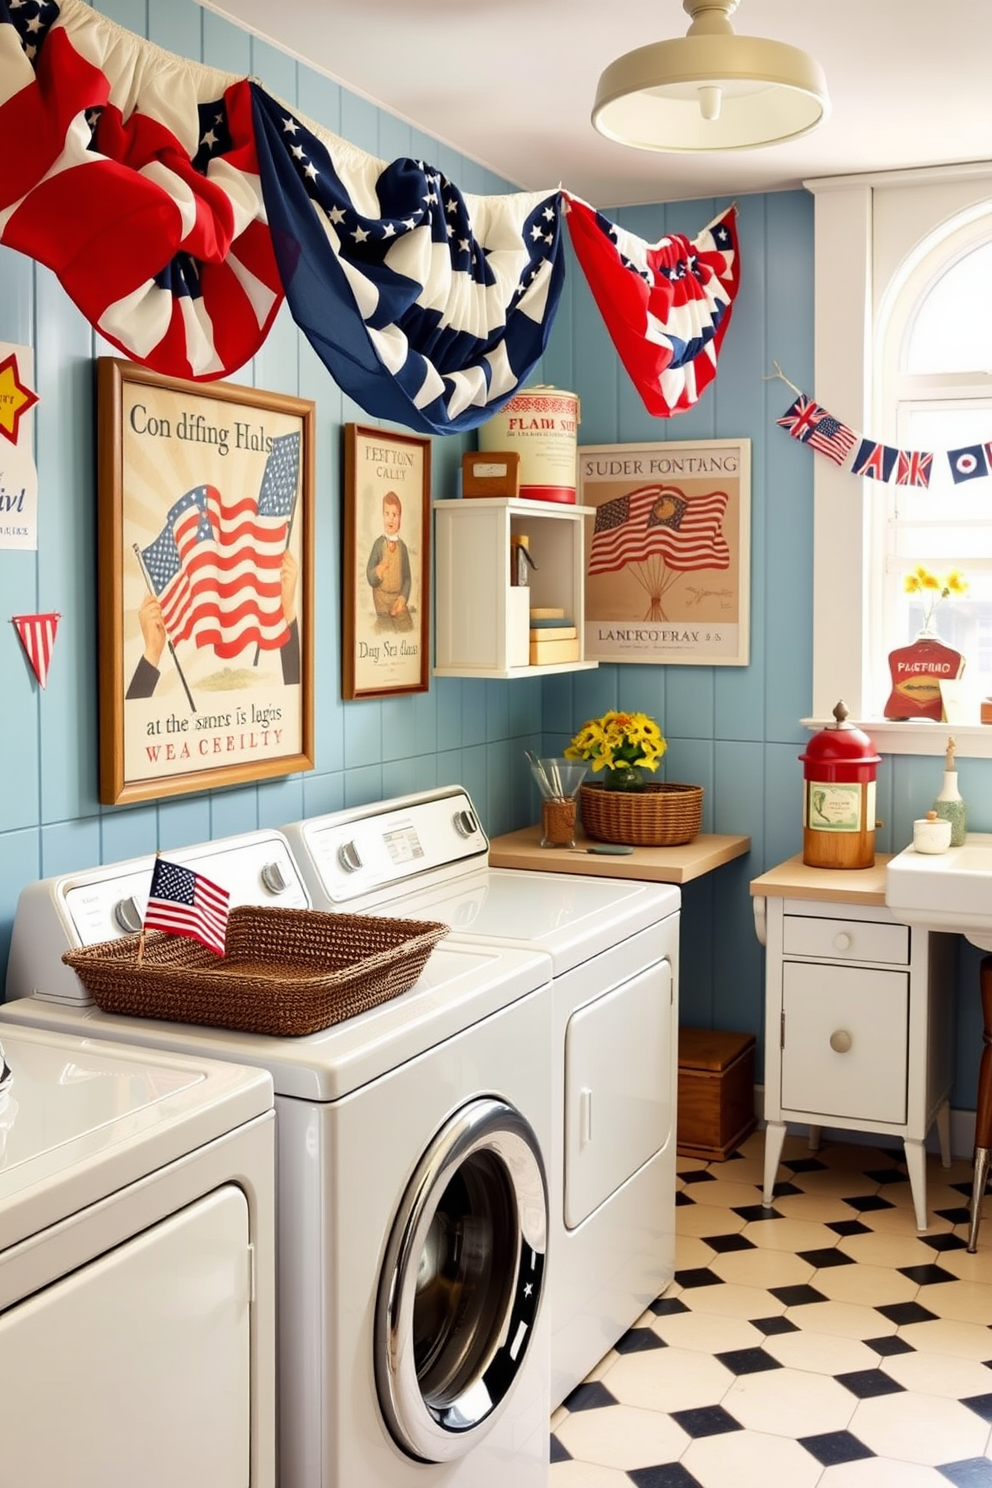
(945, 891)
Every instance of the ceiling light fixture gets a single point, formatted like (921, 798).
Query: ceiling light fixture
(711, 89)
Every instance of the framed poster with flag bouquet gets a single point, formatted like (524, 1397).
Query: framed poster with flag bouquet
(667, 551)
(205, 546)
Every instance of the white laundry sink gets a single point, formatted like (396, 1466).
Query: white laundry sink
(945, 891)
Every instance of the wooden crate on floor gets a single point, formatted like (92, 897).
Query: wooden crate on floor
(716, 1092)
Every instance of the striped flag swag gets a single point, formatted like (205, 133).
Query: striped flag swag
(667, 305)
(215, 565)
(659, 520)
(427, 306)
(37, 633)
(132, 175)
(182, 902)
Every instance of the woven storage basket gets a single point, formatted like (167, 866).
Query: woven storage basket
(661, 815)
(286, 971)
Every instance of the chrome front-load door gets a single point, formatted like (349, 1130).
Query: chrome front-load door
(462, 1281)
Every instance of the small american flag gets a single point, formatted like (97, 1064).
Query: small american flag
(832, 438)
(182, 902)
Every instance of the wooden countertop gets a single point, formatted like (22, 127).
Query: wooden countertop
(674, 865)
(794, 880)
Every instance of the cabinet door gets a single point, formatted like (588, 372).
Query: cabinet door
(133, 1371)
(619, 1107)
(845, 1044)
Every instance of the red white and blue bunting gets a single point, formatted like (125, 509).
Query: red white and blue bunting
(810, 423)
(667, 305)
(427, 307)
(179, 206)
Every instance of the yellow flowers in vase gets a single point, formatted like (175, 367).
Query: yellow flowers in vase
(933, 589)
(621, 744)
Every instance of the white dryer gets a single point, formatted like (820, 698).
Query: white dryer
(614, 947)
(412, 1210)
(137, 1267)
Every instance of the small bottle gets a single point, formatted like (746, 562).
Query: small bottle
(949, 805)
(520, 560)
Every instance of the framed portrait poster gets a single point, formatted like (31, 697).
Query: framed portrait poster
(205, 554)
(387, 485)
(667, 551)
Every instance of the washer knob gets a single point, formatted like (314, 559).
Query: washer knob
(349, 857)
(127, 915)
(273, 878)
(465, 823)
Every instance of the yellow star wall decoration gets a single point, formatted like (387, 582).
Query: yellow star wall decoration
(15, 398)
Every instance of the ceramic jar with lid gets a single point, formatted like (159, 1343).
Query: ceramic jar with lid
(840, 767)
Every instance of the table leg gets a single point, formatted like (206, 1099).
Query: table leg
(916, 1167)
(983, 1113)
(774, 1142)
(942, 1121)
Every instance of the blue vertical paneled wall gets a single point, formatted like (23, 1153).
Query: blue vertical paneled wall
(733, 729)
(467, 731)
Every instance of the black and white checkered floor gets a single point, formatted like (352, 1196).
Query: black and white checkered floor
(825, 1343)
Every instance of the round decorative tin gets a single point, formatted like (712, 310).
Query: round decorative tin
(541, 424)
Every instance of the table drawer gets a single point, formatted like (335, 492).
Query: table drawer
(845, 940)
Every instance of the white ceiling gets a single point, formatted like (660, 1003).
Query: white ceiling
(510, 83)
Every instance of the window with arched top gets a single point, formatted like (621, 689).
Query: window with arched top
(903, 308)
(934, 395)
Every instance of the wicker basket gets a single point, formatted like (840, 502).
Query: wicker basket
(286, 971)
(662, 814)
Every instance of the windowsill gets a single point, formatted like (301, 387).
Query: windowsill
(973, 740)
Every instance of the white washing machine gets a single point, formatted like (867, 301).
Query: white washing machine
(614, 947)
(412, 1212)
(137, 1267)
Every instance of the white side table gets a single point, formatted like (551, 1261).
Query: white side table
(858, 1015)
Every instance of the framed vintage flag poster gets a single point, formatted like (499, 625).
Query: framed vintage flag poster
(667, 551)
(205, 549)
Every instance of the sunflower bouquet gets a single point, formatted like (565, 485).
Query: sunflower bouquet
(621, 744)
(932, 589)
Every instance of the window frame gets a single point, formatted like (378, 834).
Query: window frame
(869, 233)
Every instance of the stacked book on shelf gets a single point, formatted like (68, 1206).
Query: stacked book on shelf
(554, 637)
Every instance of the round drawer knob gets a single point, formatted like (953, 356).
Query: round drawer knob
(840, 1041)
(842, 941)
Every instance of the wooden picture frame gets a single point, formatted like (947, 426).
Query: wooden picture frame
(667, 551)
(205, 558)
(386, 596)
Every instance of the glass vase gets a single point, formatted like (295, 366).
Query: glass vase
(558, 822)
(630, 778)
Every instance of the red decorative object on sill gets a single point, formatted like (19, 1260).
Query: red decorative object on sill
(917, 671)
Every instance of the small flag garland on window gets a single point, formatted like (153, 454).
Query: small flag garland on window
(811, 423)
